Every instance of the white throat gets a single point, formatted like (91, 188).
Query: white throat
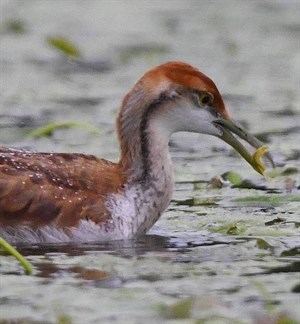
(150, 186)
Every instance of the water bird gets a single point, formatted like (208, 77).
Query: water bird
(65, 197)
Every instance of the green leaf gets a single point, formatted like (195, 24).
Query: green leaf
(263, 244)
(63, 45)
(233, 177)
(48, 130)
(210, 201)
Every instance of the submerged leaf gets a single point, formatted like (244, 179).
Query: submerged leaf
(179, 310)
(63, 45)
(64, 319)
(16, 26)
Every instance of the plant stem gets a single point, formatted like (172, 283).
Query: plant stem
(11, 250)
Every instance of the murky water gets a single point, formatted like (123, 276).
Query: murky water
(218, 255)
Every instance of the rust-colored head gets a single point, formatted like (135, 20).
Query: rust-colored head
(186, 76)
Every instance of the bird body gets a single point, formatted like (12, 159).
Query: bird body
(55, 197)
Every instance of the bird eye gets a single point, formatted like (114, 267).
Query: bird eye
(205, 99)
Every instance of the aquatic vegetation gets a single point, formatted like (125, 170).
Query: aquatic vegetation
(64, 45)
(49, 129)
(12, 251)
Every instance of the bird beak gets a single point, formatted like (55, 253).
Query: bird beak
(228, 128)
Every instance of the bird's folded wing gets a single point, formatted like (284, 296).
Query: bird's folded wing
(43, 188)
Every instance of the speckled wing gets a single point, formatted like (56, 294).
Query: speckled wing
(39, 189)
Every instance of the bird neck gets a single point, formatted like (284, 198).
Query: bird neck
(143, 140)
(145, 160)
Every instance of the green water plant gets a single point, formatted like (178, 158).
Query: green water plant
(64, 45)
(48, 130)
(12, 251)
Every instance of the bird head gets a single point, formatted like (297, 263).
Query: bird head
(177, 97)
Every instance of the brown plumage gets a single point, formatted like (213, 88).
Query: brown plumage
(41, 188)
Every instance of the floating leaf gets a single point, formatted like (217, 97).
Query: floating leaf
(231, 229)
(249, 184)
(48, 130)
(268, 200)
(275, 221)
(197, 201)
(236, 180)
(263, 244)
(63, 45)
(290, 252)
(233, 177)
